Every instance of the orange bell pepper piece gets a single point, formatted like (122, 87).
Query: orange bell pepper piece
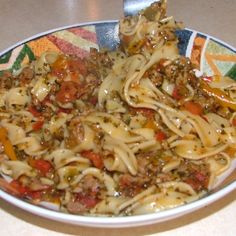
(8, 148)
(219, 95)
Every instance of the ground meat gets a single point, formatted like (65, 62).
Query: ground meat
(90, 184)
(85, 195)
(47, 112)
(131, 185)
(156, 78)
(6, 80)
(151, 12)
(149, 163)
(59, 134)
(76, 133)
(35, 102)
(26, 75)
(91, 82)
(195, 175)
(76, 207)
(209, 103)
(102, 58)
(41, 108)
(193, 81)
(179, 71)
(224, 112)
(76, 64)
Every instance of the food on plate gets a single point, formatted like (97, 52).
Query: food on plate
(123, 132)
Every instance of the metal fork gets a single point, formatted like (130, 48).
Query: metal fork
(132, 7)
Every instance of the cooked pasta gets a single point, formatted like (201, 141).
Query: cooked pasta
(127, 132)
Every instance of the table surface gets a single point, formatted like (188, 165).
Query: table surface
(22, 19)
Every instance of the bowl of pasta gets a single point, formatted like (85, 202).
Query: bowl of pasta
(132, 125)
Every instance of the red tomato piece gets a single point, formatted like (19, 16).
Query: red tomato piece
(148, 113)
(42, 165)
(198, 180)
(207, 78)
(8, 187)
(125, 180)
(35, 194)
(67, 92)
(200, 176)
(126, 39)
(176, 93)
(193, 183)
(34, 111)
(160, 136)
(93, 100)
(46, 100)
(194, 108)
(74, 76)
(95, 158)
(19, 189)
(64, 110)
(234, 122)
(161, 64)
(59, 67)
(38, 194)
(38, 124)
(87, 200)
(77, 64)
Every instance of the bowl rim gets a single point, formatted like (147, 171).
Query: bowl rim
(120, 221)
(88, 23)
(107, 221)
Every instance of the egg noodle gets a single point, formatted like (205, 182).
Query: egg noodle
(126, 132)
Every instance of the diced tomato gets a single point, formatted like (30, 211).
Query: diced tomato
(130, 185)
(35, 194)
(38, 124)
(67, 92)
(200, 176)
(38, 194)
(176, 93)
(151, 124)
(90, 202)
(42, 165)
(125, 180)
(198, 180)
(193, 183)
(95, 158)
(77, 64)
(64, 110)
(194, 108)
(59, 67)
(69, 65)
(46, 100)
(87, 200)
(161, 64)
(205, 118)
(74, 76)
(126, 39)
(207, 78)
(19, 189)
(231, 151)
(234, 122)
(93, 100)
(160, 136)
(148, 113)
(34, 111)
(8, 187)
